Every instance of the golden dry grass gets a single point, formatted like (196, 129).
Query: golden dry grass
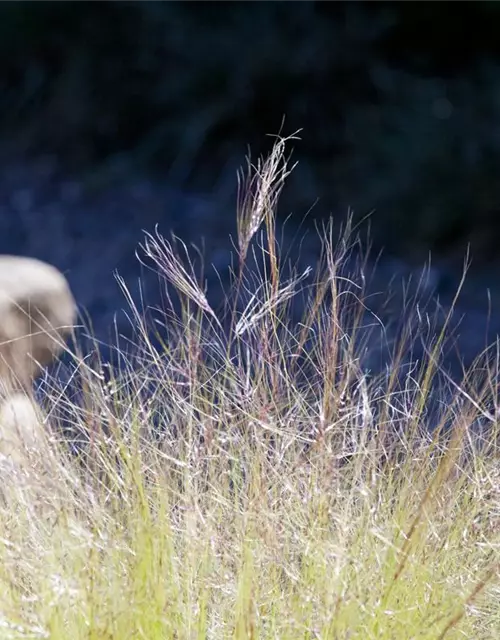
(257, 483)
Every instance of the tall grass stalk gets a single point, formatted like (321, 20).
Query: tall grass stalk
(258, 482)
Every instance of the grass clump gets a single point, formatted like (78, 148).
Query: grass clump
(243, 476)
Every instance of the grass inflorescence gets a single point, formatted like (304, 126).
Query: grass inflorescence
(244, 476)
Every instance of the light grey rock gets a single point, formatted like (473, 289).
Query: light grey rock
(37, 314)
(21, 429)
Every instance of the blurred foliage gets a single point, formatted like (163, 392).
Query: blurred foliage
(399, 103)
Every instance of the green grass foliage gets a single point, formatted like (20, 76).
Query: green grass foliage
(242, 476)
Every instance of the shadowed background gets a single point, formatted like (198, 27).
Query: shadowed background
(118, 116)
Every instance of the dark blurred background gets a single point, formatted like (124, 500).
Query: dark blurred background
(399, 102)
(140, 112)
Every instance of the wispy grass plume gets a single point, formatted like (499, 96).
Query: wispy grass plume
(260, 482)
